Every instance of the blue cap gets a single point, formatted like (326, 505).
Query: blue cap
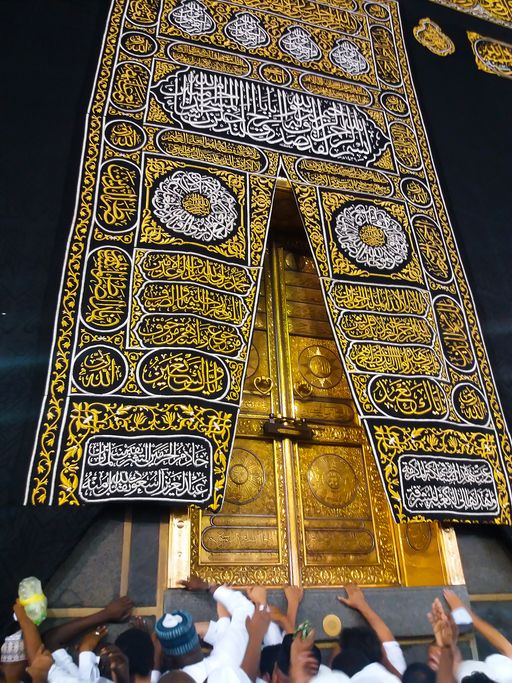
(179, 639)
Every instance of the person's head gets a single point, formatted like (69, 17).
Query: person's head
(364, 639)
(41, 664)
(282, 667)
(350, 660)
(13, 658)
(475, 671)
(268, 660)
(176, 677)
(477, 677)
(418, 672)
(138, 647)
(178, 637)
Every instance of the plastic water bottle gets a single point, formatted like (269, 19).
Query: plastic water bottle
(33, 599)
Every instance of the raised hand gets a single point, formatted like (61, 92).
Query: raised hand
(303, 665)
(258, 624)
(19, 611)
(443, 626)
(294, 594)
(195, 583)
(118, 610)
(257, 594)
(91, 640)
(141, 623)
(355, 597)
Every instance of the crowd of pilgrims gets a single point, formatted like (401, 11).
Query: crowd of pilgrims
(250, 641)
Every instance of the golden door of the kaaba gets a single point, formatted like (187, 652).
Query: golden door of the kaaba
(305, 503)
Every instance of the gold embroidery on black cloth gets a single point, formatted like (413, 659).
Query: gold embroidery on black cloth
(491, 56)
(197, 107)
(431, 35)
(497, 11)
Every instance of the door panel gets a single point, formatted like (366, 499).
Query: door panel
(304, 512)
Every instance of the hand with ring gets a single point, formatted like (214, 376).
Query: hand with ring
(90, 641)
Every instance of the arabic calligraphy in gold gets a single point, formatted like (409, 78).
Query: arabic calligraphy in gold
(431, 36)
(130, 86)
(157, 265)
(432, 248)
(99, 370)
(379, 299)
(497, 11)
(491, 56)
(402, 329)
(470, 404)
(106, 302)
(320, 367)
(161, 297)
(221, 152)
(404, 360)
(408, 397)
(166, 373)
(453, 332)
(118, 196)
(143, 12)
(179, 330)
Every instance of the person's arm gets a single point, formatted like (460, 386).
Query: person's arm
(445, 633)
(31, 635)
(157, 656)
(356, 600)
(392, 655)
(257, 626)
(116, 611)
(488, 631)
(40, 666)
(281, 619)
(196, 583)
(303, 665)
(294, 596)
(445, 671)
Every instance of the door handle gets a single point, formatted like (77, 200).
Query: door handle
(302, 389)
(263, 385)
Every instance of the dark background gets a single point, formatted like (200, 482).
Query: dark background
(51, 49)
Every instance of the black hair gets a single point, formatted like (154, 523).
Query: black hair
(364, 639)
(418, 672)
(283, 656)
(350, 660)
(477, 677)
(137, 645)
(268, 659)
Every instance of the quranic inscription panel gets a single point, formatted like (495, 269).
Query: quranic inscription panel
(197, 107)
(497, 11)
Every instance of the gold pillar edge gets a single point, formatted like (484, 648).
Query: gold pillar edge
(178, 566)
(126, 552)
(163, 562)
(454, 573)
(286, 402)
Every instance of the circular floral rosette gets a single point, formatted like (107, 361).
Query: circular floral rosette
(195, 205)
(370, 237)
